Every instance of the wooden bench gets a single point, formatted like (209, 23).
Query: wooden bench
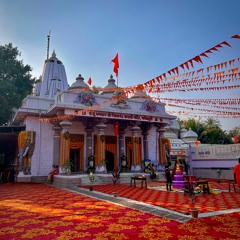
(136, 178)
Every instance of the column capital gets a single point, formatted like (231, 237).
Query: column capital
(65, 125)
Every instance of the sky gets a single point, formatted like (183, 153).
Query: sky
(150, 36)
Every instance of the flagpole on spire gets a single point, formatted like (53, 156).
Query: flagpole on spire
(116, 66)
(48, 43)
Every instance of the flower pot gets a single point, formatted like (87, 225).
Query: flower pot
(194, 212)
(91, 188)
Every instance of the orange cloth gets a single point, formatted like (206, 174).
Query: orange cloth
(237, 173)
(55, 171)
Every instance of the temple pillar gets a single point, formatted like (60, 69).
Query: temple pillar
(56, 144)
(121, 147)
(65, 154)
(100, 155)
(136, 166)
(89, 144)
(145, 145)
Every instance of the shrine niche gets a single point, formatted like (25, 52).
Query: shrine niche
(26, 145)
(149, 106)
(87, 98)
(120, 101)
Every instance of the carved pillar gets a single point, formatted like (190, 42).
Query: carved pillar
(65, 154)
(121, 146)
(145, 144)
(101, 167)
(89, 143)
(161, 132)
(135, 145)
(162, 153)
(56, 144)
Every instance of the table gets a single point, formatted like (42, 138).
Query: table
(138, 178)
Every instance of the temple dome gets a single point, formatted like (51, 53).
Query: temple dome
(111, 87)
(139, 94)
(190, 134)
(174, 124)
(79, 84)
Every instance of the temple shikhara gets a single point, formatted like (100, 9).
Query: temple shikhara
(75, 123)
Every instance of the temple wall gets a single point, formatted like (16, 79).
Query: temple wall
(42, 158)
(205, 160)
(152, 145)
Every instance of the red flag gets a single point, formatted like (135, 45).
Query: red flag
(235, 140)
(116, 64)
(236, 36)
(90, 81)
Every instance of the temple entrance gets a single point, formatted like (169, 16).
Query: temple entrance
(110, 160)
(111, 152)
(75, 157)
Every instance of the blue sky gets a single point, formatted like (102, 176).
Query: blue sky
(150, 36)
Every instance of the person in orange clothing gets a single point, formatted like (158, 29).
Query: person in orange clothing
(55, 171)
(236, 172)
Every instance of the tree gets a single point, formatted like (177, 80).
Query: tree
(215, 136)
(196, 125)
(16, 81)
(211, 123)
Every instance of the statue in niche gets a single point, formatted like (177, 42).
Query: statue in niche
(121, 102)
(26, 145)
(87, 98)
(149, 106)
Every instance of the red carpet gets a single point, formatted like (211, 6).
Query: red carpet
(38, 211)
(175, 201)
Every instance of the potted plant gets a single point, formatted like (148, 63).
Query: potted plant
(67, 168)
(219, 173)
(192, 194)
(92, 180)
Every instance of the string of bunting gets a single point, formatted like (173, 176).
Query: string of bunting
(140, 87)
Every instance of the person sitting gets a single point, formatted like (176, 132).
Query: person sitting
(55, 171)
(152, 171)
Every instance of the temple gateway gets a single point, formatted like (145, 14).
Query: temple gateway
(100, 131)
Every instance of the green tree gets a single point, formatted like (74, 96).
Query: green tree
(16, 81)
(215, 136)
(196, 125)
(211, 123)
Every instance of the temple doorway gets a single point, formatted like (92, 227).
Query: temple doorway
(75, 158)
(110, 160)
(111, 153)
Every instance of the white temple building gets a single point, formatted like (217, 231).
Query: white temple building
(73, 123)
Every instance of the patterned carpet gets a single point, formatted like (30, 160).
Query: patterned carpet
(175, 200)
(38, 211)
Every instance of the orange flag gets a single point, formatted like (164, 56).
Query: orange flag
(116, 64)
(89, 81)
